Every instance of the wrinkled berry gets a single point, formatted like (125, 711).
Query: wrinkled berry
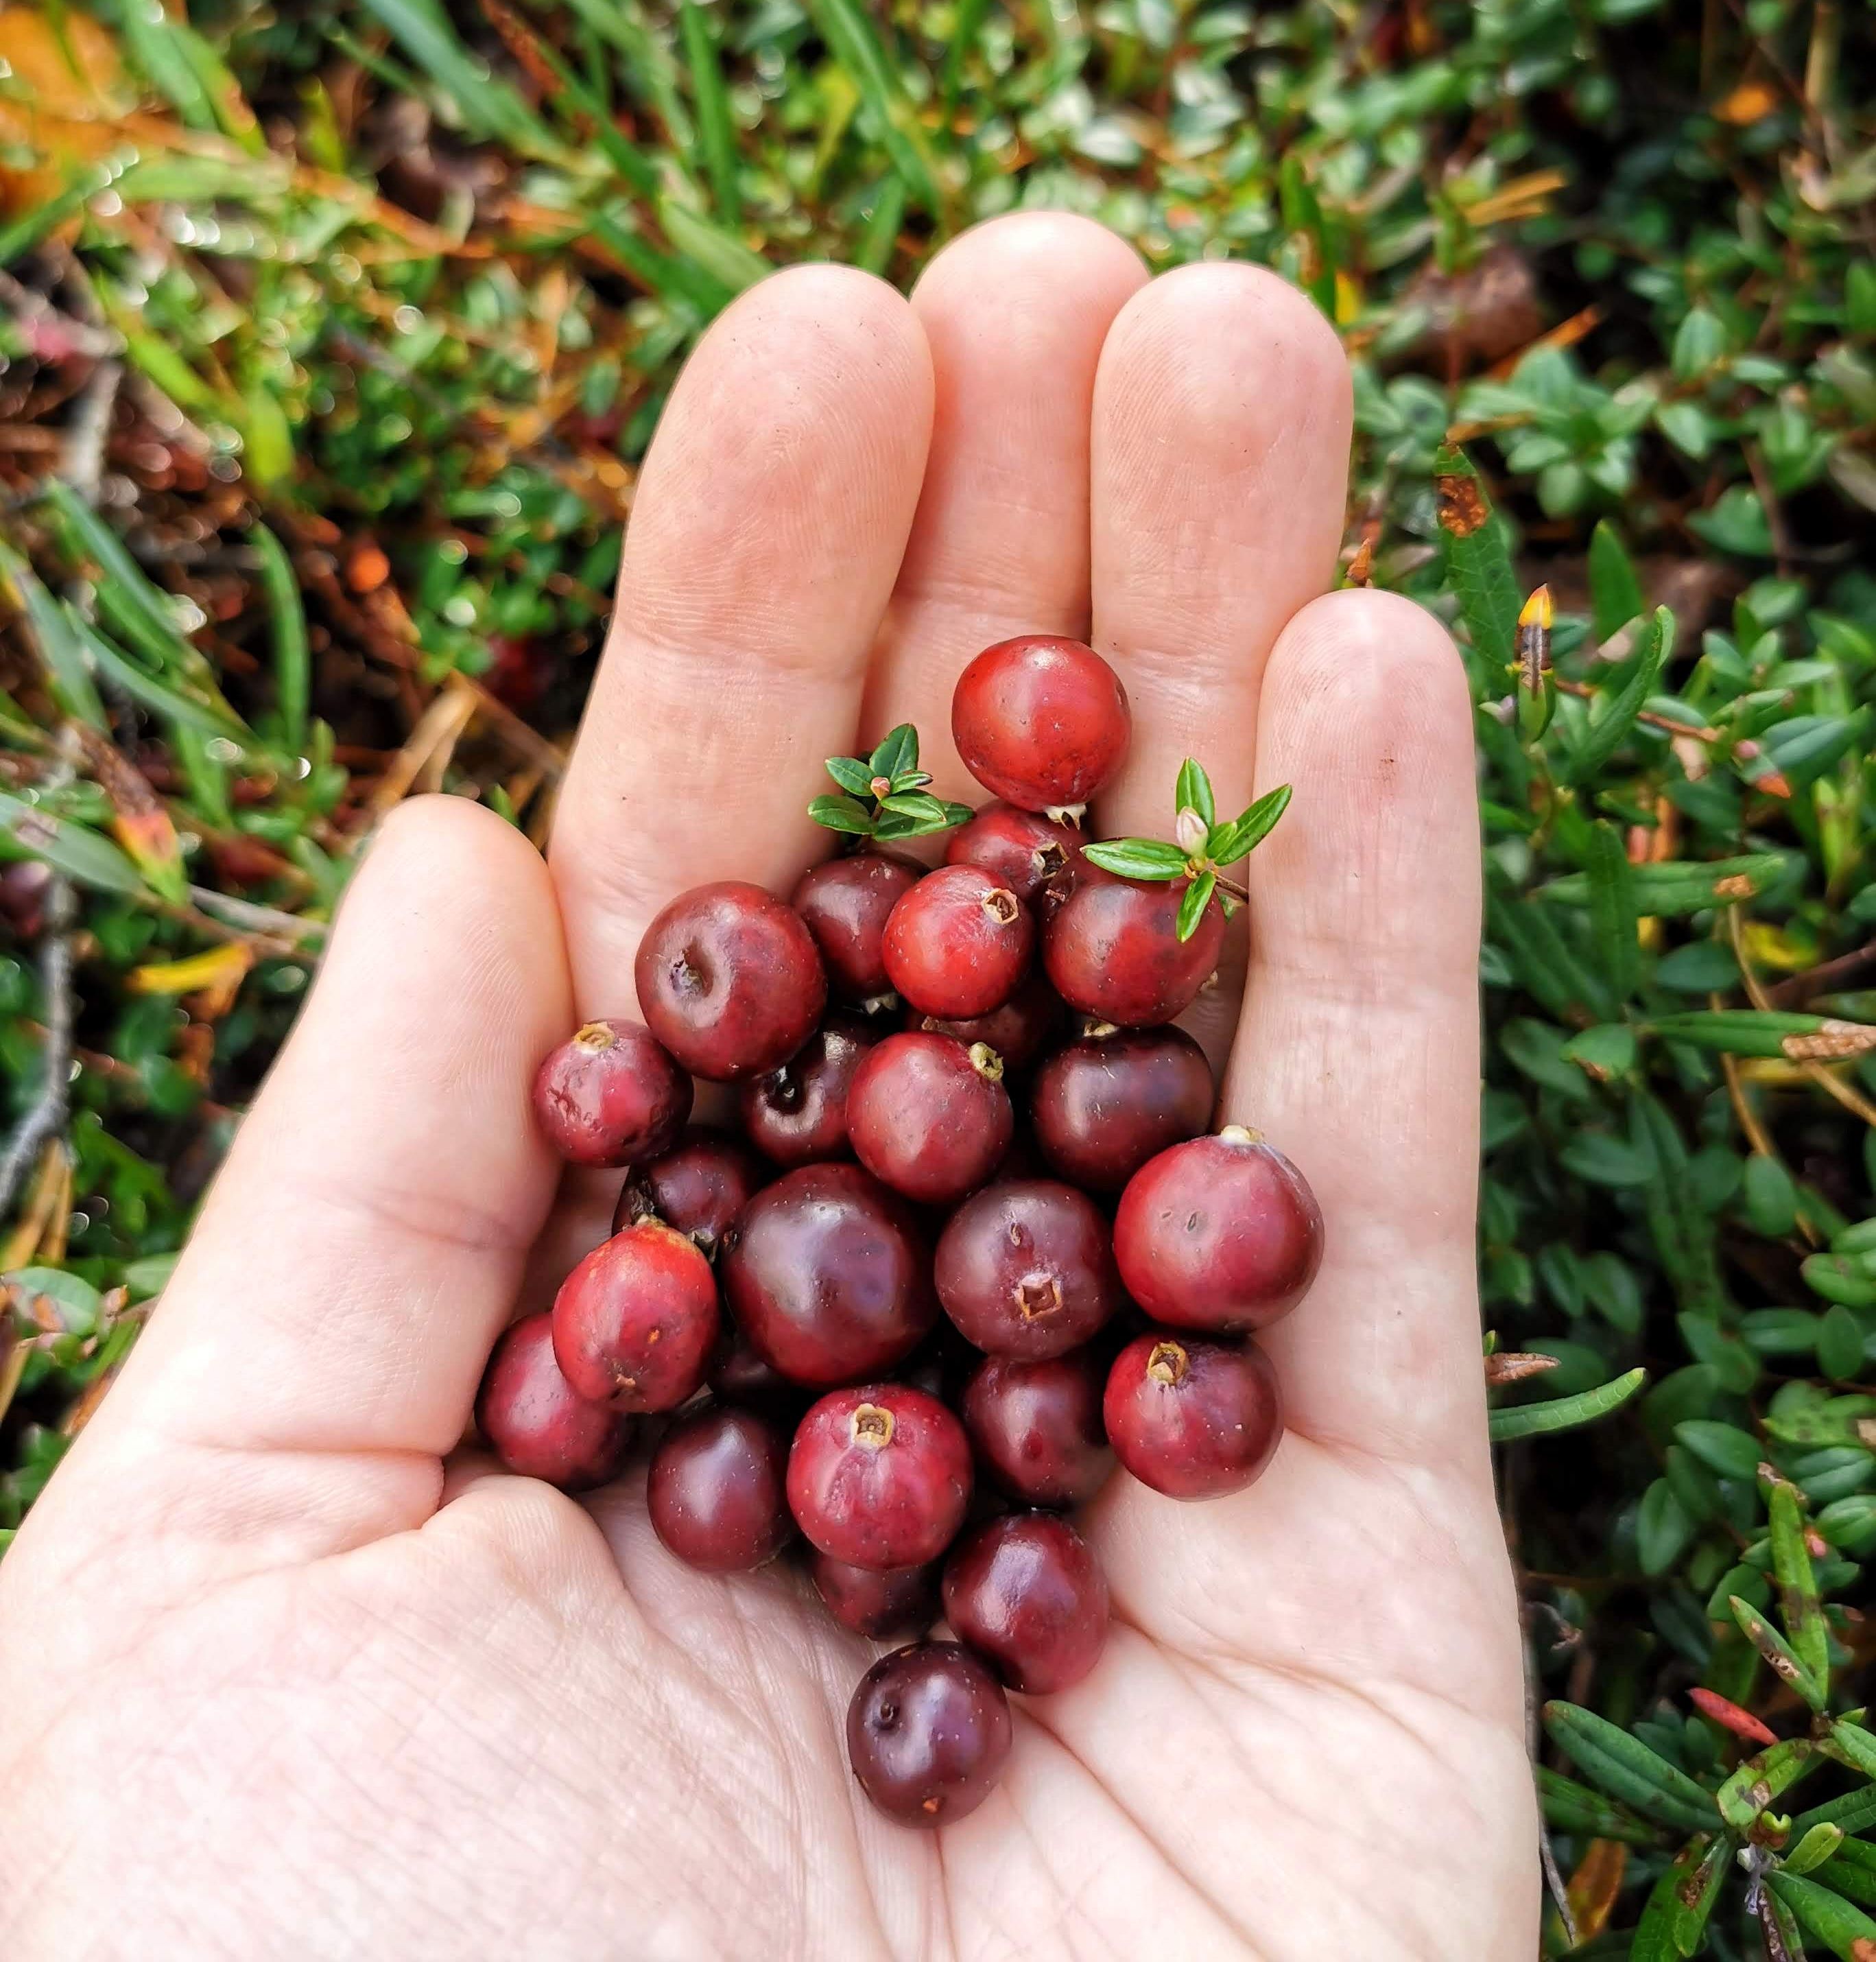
(928, 1117)
(958, 943)
(697, 1188)
(1192, 1418)
(537, 1423)
(635, 1322)
(928, 1732)
(1021, 849)
(890, 1604)
(730, 980)
(880, 1476)
(828, 1276)
(1103, 1105)
(797, 1114)
(1040, 721)
(716, 1494)
(611, 1095)
(1027, 1594)
(1036, 1427)
(845, 903)
(1221, 1234)
(1024, 1268)
(1112, 949)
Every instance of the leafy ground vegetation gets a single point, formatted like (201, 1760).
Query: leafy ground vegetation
(333, 336)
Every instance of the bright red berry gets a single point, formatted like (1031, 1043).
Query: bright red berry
(1221, 1234)
(1102, 1106)
(880, 1476)
(716, 1494)
(928, 1117)
(1036, 1427)
(730, 980)
(611, 1095)
(829, 1277)
(845, 903)
(1024, 1268)
(697, 1188)
(928, 1732)
(1027, 1594)
(1112, 948)
(537, 1423)
(797, 1114)
(890, 1604)
(1040, 721)
(1021, 849)
(634, 1324)
(1193, 1419)
(958, 943)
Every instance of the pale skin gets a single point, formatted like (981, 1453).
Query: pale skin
(282, 1672)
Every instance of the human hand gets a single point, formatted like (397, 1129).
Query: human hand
(278, 1675)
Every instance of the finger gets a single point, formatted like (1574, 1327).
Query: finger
(768, 526)
(1015, 311)
(1358, 1049)
(359, 1249)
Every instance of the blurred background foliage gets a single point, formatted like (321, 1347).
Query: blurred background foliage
(331, 336)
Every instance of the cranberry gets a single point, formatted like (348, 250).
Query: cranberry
(797, 1114)
(730, 981)
(958, 943)
(1112, 950)
(1102, 1106)
(635, 1322)
(716, 1494)
(739, 1375)
(1220, 1234)
(1027, 1594)
(1040, 722)
(1018, 1031)
(1036, 1427)
(845, 903)
(535, 1422)
(611, 1095)
(1190, 1418)
(927, 1731)
(1020, 849)
(828, 1276)
(929, 1116)
(1024, 1268)
(885, 1604)
(697, 1190)
(880, 1476)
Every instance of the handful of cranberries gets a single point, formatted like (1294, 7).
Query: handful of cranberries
(974, 1241)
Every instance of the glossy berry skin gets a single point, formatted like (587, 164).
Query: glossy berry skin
(1018, 1031)
(1220, 1234)
(929, 1117)
(1102, 1106)
(612, 1095)
(1112, 949)
(697, 1188)
(738, 1375)
(958, 943)
(1027, 1594)
(717, 1493)
(1036, 1427)
(634, 1324)
(730, 980)
(829, 1277)
(1040, 721)
(796, 1115)
(928, 1732)
(892, 1604)
(535, 1421)
(845, 903)
(1021, 850)
(880, 1476)
(1024, 1268)
(1193, 1419)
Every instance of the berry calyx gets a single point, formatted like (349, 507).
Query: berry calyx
(1024, 1268)
(880, 1476)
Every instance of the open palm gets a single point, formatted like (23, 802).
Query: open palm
(278, 1676)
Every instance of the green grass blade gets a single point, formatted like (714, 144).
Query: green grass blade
(489, 105)
(850, 39)
(81, 854)
(292, 661)
(1564, 1413)
(1613, 908)
(715, 129)
(1626, 1768)
(59, 649)
(877, 242)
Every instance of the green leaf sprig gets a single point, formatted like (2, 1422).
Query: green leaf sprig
(884, 796)
(1204, 846)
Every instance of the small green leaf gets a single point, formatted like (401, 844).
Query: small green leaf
(1236, 840)
(1477, 551)
(1843, 1929)
(1615, 595)
(1723, 1448)
(1137, 858)
(1571, 1807)
(843, 813)
(1842, 1278)
(1855, 1812)
(1798, 1600)
(1612, 911)
(1193, 792)
(912, 779)
(1760, 1779)
(292, 661)
(1857, 1746)
(1768, 1196)
(1738, 1031)
(1840, 1343)
(1196, 897)
(850, 775)
(1814, 1848)
(1778, 1653)
(70, 848)
(897, 753)
(1682, 888)
(921, 804)
(1674, 1919)
(1564, 1413)
(1626, 1767)
(1606, 736)
(1663, 1529)
(51, 1295)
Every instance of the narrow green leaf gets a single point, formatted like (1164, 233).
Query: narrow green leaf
(81, 854)
(850, 775)
(878, 241)
(1778, 1653)
(1847, 1931)
(914, 803)
(292, 662)
(1857, 1745)
(60, 651)
(852, 41)
(1614, 588)
(1855, 1812)
(715, 129)
(1798, 1601)
(1759, 1781)
(898, 752)
(1193, 792)
(1564, 1413)
(1608, 735)
(177, 704)
(1674, 1918)
(488, 104)
(1195, 898)
(1814, 1848)
(1249, 829)
(1571, 1807)
(1737, 1031)
(1664, 1529)
(673, 279)
(1477, 553)
(1677, 888)
(841, 813)
(718, 254)
(1612, 910)
(1137, 858)
(1628, 1769)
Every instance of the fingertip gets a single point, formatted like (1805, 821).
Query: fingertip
(1026, 267)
